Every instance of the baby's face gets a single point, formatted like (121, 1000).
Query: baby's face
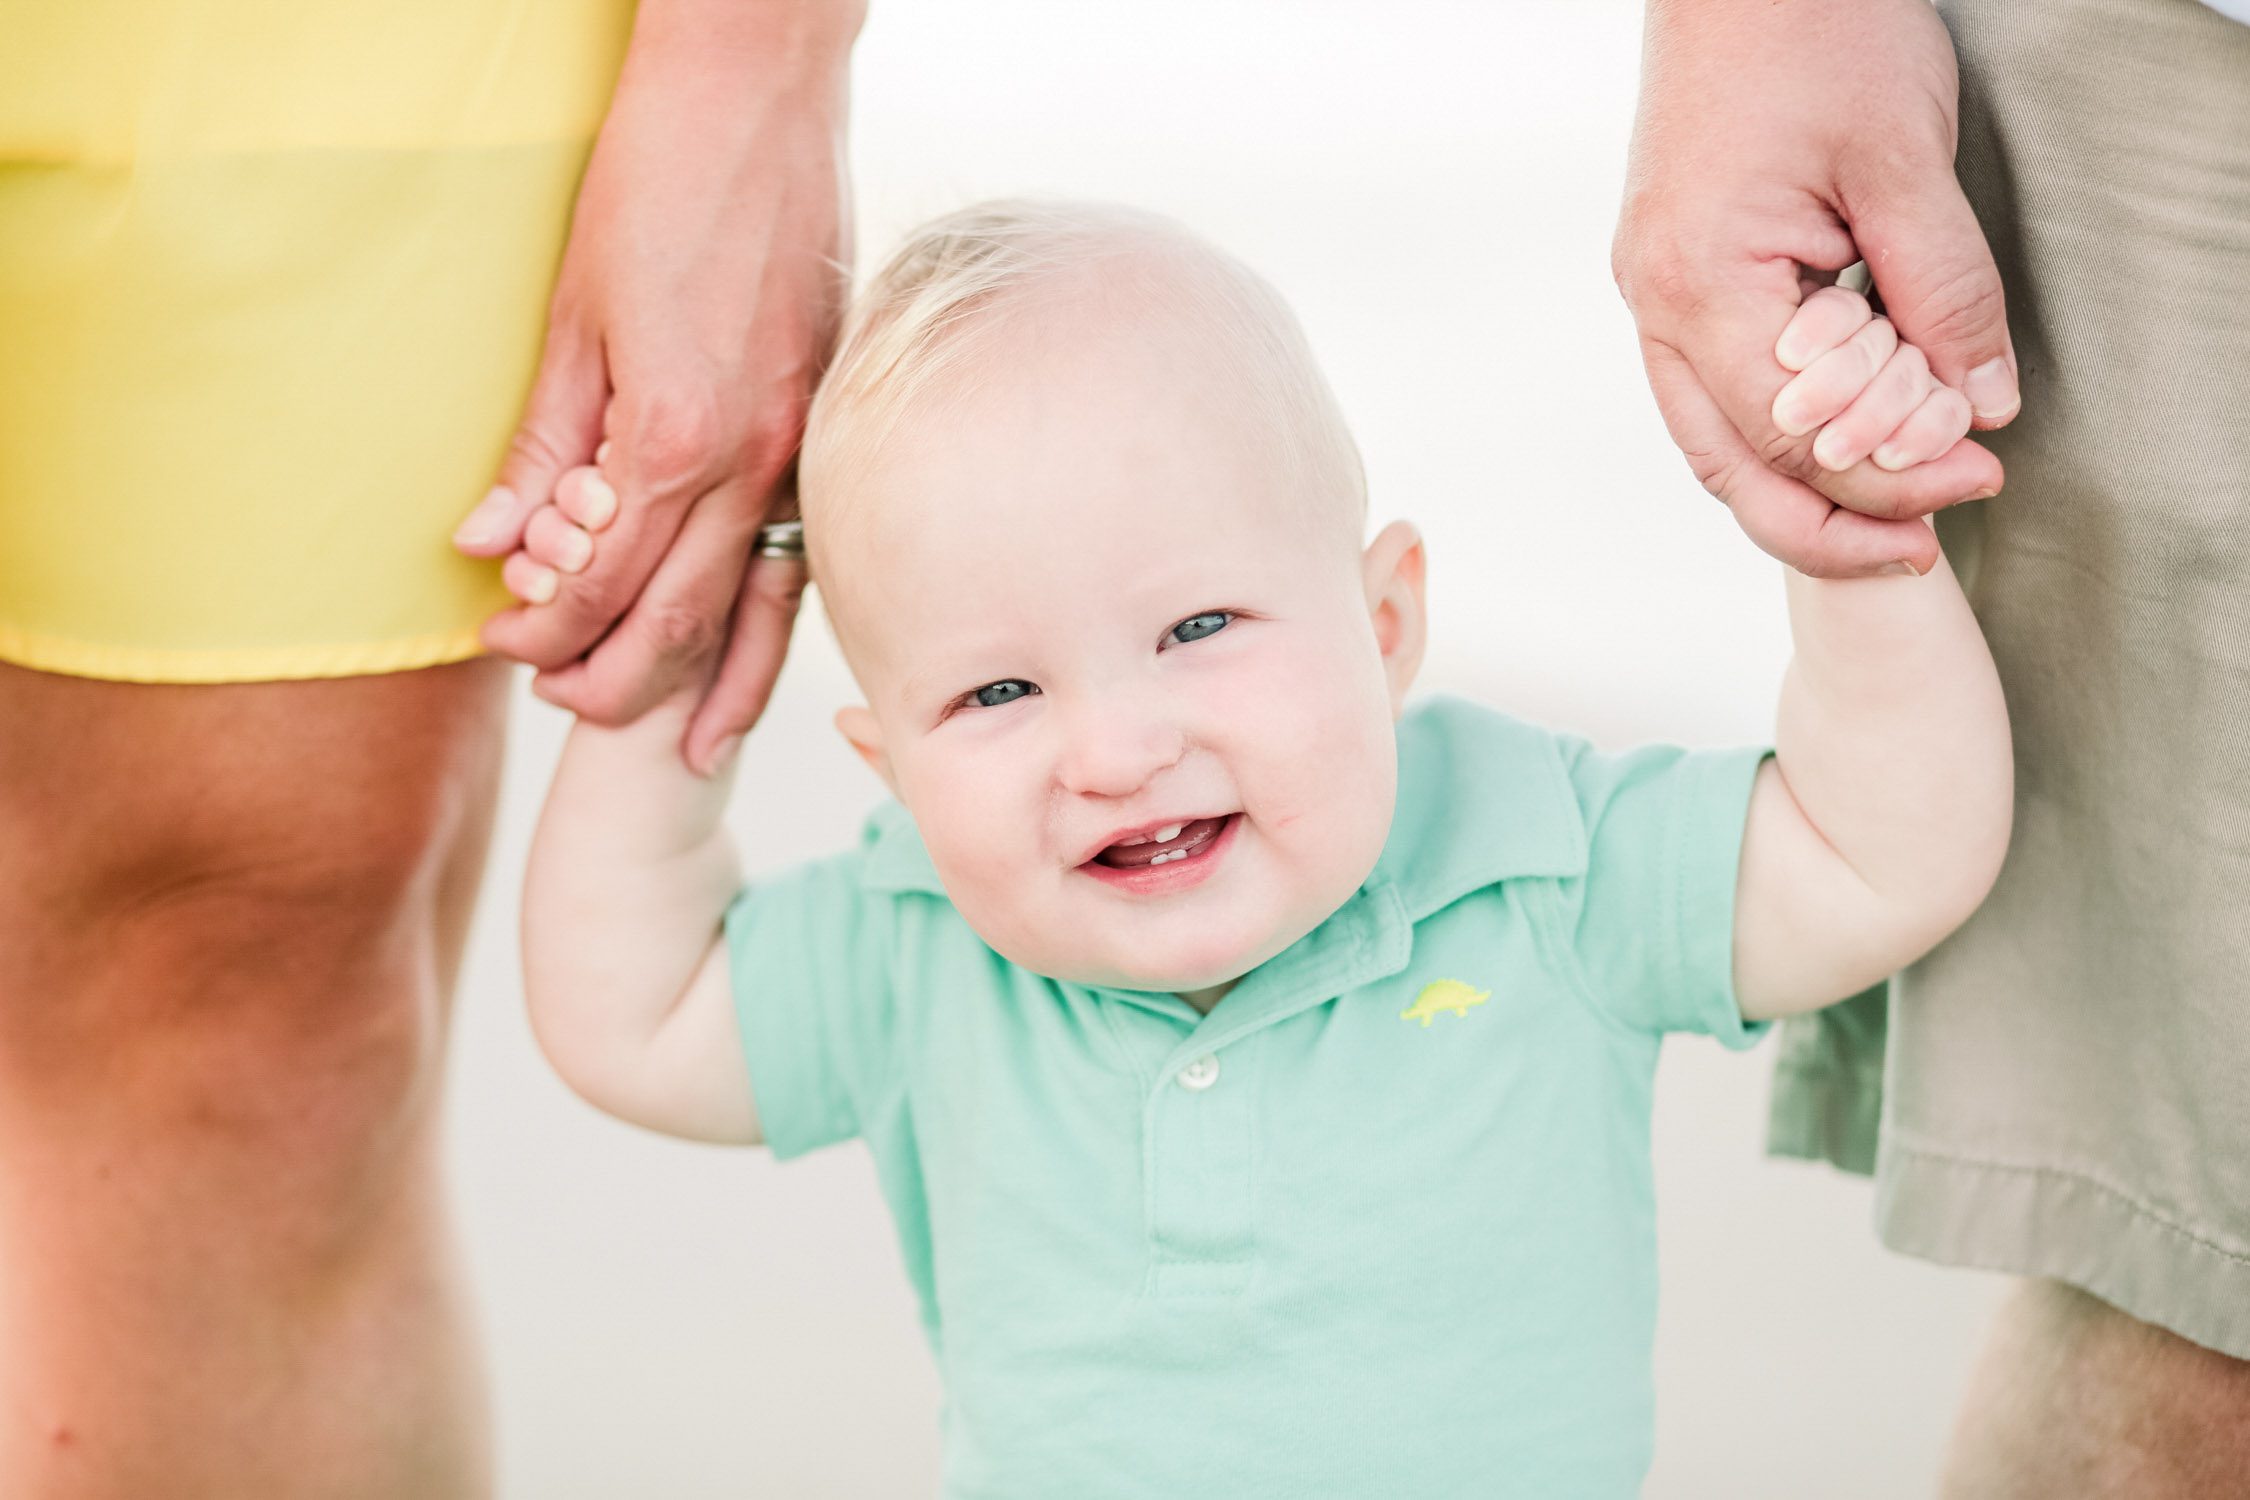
(1135, 687)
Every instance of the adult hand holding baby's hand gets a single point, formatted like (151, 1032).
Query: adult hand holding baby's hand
(564, 538)
(1775, 146)
(696, 300)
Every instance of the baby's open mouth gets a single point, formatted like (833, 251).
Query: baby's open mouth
(1160, 846)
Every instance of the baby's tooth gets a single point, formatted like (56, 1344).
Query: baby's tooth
(1169, 832)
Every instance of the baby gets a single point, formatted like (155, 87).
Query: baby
(1258, 1068)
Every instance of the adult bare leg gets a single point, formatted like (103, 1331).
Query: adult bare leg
(2075, 1400)
(230, 921)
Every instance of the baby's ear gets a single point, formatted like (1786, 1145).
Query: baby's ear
(1393, 572)
(858, 725)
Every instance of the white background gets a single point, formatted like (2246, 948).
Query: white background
(1433, 186)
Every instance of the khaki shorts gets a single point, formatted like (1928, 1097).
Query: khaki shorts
(2067, 1087)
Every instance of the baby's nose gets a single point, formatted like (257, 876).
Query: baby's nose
(1113, 751)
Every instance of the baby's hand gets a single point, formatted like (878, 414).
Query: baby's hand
(1867, 393)
(558, 541)
(559, 537)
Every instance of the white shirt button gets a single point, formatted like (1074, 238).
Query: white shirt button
(1200, 1074)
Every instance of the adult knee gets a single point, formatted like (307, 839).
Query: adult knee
(239, 972)
(289, 998)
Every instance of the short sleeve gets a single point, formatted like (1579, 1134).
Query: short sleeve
(1652, 919)
(810, 958)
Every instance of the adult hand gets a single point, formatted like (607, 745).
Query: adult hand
(696, 300)
(1778, 142)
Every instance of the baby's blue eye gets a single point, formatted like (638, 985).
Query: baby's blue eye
(1196, 627)
(993, 694)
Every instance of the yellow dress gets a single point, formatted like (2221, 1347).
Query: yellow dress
(273, 280)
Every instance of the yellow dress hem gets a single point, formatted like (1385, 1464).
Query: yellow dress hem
(46, 653)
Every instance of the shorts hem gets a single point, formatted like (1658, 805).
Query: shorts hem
(2055, 1223)
(112, 663)
(1825, 1113)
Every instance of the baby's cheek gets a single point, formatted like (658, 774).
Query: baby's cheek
(1323, 748)
(984, 856)
(966, 848)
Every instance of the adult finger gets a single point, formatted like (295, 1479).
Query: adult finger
(675, 626)
(561, 423)
(1931, 264)
(764, 619)
(1786, 518)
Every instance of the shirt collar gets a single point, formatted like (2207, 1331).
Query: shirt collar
(1482, 798)
(896, 859)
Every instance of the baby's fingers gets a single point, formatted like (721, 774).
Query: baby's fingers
(1890, 398)
(1833, 381)
(531, 581)
(1821, 322)
(553, 540)
(1930, 431)
(586, 497)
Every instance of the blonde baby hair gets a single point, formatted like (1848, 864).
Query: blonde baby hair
(914, 334)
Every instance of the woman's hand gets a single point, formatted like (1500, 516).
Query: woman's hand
(697, 298)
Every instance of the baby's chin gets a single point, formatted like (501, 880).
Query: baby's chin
(1205, 965)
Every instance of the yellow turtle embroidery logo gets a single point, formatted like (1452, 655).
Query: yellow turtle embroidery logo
(1446, 994)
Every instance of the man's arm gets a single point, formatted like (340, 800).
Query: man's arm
(1883, 818)
(625, 963)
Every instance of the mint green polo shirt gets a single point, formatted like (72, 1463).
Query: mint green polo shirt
(1381, 1224)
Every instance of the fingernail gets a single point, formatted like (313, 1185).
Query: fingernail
(1789, 416)
(483, 523)
(1890, 456)
(601, 454)
(1890, 570)
(1830, 453)
(577, 550)
(600, 501)
(1991, 389)
(540, 587)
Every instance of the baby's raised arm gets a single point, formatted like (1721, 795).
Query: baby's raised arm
(1884, 816)
(625, 963)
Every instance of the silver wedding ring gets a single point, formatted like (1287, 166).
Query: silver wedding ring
(782, 539)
